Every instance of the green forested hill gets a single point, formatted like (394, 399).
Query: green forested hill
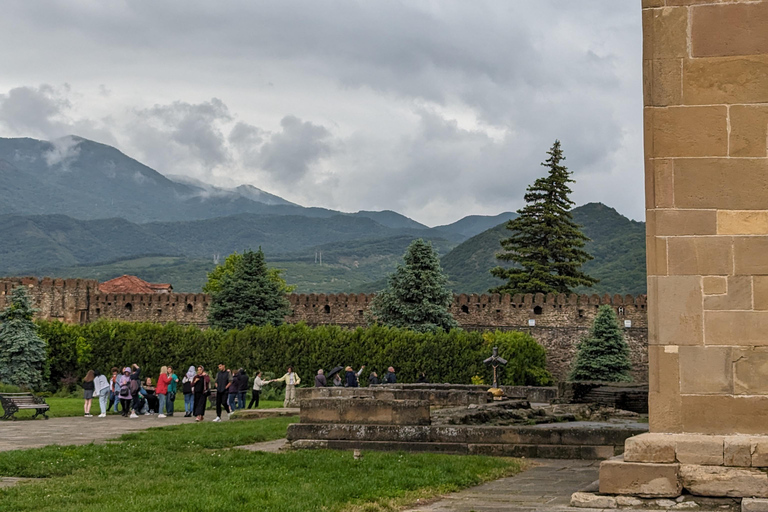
(618, 245)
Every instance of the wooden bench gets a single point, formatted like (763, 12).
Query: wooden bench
(14, 402)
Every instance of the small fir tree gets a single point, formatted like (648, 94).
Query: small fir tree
(546, 244)
(417, 296)
(603, 355)
(248, 296)
(22, 352)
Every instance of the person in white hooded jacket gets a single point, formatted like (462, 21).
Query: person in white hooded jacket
(101, 389)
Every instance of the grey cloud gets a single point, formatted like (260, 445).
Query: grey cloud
(437, 108)
(288, 154)
(63, 151)
(36, 111)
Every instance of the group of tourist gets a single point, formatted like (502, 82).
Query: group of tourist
(125, 392)
(352, 378)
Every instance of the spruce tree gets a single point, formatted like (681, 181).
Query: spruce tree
(22, 352)
(417, 296)
(247, 296)
(546, 245)
(603, 355)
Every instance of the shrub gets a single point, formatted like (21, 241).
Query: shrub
(454, 356)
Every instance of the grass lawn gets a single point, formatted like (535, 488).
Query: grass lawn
(188, 467)
(65, 407)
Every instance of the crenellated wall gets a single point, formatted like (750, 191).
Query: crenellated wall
(558, 322)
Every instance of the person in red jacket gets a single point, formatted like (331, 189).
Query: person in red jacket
(161, 390)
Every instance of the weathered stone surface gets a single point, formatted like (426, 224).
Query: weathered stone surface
(650, 448)
(759, 448)
(754, 505)
(590, 500)
(714, 285)
(760, 292)
(750, 365)
(738, 296)
(749, 126)
(700, 255)
(639, 479)
(665, 503)
(698, 449)
(705, 370)
(690, 131)
(680, 298)
(686, 222)
(663, 82)
(737, 451)
(665, 33)
(628, 501)
(723, 414)
(365, 411)
(664, 400)
(686, 505)
(729, 29)
(724, 481)
(736, 328)
(721, 183)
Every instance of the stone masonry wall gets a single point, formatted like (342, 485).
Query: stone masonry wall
(706, 160)
(558, 322)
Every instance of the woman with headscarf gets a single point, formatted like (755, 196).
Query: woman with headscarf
(189, 396)
(88, 389)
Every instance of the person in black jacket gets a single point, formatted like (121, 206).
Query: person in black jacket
(223, 378)
(243, 389)
(390, 377)
(373, 378)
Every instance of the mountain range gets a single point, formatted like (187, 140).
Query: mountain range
(77, 208)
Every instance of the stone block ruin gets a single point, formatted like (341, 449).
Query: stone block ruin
(706, 166)
(459, 419)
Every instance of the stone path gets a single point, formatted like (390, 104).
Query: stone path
(267, 446)
(546, 486)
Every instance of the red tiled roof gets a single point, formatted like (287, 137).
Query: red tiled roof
(133, 284)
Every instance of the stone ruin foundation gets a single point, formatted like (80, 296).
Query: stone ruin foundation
(706, 124)
(455, 419)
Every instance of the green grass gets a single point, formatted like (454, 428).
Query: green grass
(68, 407)
(188, 467)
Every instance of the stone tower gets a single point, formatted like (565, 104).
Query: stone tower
(705, 67)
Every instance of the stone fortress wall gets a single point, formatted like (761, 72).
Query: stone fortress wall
(558, 322)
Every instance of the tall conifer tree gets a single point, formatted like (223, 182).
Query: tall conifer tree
(247, 296)
(417, 297)
(22, 352)
(546, 244)
(603, 355)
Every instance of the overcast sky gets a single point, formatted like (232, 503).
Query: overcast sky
(435, 109)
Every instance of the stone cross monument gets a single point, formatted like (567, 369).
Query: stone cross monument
(705, 67)
(495, 361)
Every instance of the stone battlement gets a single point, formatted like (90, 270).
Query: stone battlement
(558, 322)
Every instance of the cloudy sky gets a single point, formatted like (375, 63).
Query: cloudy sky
(436, 109)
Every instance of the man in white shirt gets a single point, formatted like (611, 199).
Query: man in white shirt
(291, 380)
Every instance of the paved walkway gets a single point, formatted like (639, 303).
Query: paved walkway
(267, 446)
(546, 486)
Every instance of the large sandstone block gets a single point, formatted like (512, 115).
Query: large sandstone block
(754, 505)
(749, 125)
(685, 222)
(639, 479)
(700, 255)
(750, 365)
(759, 449)
(722, 414)
(737, 451)
(591, 500)
(724, 481)
(665, 33)
(705, 370)
(365, 411)
(690, 131)
(729, 29)
(650, 448)
(721, 183)
(736, 328)
(698, 449)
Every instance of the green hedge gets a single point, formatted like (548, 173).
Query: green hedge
(454, 356)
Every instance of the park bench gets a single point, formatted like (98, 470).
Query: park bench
(14, 402)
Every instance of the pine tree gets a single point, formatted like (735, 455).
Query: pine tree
(248, 296)
(22, 352)
(603, 355)
(546, 244)
(213, 284)
(417, 296)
